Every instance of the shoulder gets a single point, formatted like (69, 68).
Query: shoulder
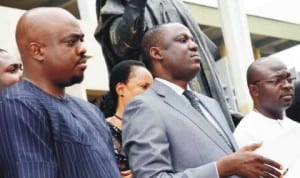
(291, 122)
(142, 106)
(23, 95)
(249, 124)
(86, 107)
(149, 96)
(249, 119)
(205, 98)
(82, 103)
(19, 90)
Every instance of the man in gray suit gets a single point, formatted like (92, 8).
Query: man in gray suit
(166, 134)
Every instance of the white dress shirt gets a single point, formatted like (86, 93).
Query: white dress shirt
(255, 127)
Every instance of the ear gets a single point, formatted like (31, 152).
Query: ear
(120, 89)
(36, 50)
(254, 90)
(156, 53)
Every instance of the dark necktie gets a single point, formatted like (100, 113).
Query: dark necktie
(195, 101)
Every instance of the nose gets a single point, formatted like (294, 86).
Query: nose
(80, 49)
(21, 73)
(287, 84)
(193, 45)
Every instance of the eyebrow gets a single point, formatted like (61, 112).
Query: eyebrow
(74, 35)
(175, 38)
(282, 74)
(184, 34)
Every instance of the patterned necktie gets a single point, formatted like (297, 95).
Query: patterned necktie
(195, 101)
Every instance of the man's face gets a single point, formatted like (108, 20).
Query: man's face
(275, 89)
(180, 56)
(10, 70)
(65, 54)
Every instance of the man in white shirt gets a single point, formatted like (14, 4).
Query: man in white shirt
(270, 86)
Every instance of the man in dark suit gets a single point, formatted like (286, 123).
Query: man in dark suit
(121, 27)
(170, 131)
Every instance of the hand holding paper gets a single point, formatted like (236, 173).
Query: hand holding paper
(285, 149)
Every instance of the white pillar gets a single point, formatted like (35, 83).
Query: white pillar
(77, 90)
(238, 47)
(87, 11)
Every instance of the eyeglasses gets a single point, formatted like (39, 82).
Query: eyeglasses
(276, 81)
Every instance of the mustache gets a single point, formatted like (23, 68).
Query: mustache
(83, 57)
(288, 92)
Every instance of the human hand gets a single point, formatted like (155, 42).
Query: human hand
(126, 174)
(245, 163)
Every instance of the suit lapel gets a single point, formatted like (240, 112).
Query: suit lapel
(178, 103)
(217, 116)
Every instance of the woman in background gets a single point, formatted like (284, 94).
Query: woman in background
(10, 70)
(127, 79)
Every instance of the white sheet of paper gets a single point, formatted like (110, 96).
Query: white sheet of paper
(285, 149)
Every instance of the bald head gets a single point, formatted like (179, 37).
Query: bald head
(261, 67)
(50, 45)
(37, 24)
(270, 85)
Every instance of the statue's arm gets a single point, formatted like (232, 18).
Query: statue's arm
(125, 31)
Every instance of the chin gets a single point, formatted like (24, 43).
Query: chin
(75, 80)
(285, 105)
(195, 73)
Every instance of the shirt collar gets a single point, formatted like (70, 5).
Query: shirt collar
(173, 86)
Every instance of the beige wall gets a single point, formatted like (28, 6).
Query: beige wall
(96, 77)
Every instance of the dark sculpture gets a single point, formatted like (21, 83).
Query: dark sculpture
(122, 24)
(293, 111)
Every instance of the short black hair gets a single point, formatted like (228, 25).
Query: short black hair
(151, 38)
(119, 74)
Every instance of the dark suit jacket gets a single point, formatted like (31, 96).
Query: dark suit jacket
(165, 137)
(294, 111)
(122, 24)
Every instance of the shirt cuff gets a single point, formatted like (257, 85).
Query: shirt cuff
(217, 172)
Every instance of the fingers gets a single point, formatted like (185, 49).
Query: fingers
(264, 171)
(271, 172)
(270, 168)
(250, 164)
(284, 172)
(125, 173)
(252, 147)
(271, 163)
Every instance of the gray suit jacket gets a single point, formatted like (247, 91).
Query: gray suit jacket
(165, 137)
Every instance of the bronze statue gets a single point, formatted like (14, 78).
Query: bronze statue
(122, 24)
